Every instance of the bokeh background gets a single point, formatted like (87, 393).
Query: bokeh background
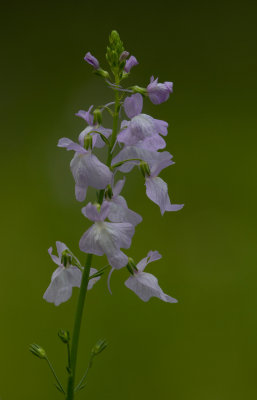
(204, 347)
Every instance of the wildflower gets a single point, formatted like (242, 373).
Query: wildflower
(157, 189)
(106, 237)
(146, 285)
(87, 170)
(142, 129)
(131, 62)
(65, 277)
(159, 92)
(92, 60)
(119, 211)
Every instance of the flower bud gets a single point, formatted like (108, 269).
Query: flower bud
(64, 336)
(88, 142)
(124, 55)
(97, 116)
(100, 345)
(102, 72)
(144, 168)
(38, 351)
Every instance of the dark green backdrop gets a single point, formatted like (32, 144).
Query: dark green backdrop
(204, 347)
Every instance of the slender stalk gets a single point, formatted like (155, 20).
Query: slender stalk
(76, 329)
(54, 374)
(85, 374)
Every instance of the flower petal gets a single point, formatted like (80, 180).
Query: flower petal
(119, 212)
(133, 105)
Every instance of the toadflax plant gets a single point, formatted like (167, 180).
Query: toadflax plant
(136, 141)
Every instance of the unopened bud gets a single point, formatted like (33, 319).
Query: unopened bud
(38, 351)
(114, 37)
(100, 345)
(138, 89)
(102, 72)
(88, 142)
(64, 336)
(144, 168)
(97, 116)
(124, 55)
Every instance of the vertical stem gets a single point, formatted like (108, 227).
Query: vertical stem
(76, 329)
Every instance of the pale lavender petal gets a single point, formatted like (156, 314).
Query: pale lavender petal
(119, 212)
(151, 256)
(62, 282)
(151, 157)
(55, 259)
(142, 126)
(70, 145)
(131, 62)
(159, 92)
(91, 60)
(133, 105)
(109, 280)
(159, 166)
(90, 243)
(118, 187)
(152, 143)
(60, 248)
(92, 213)
(161, 127)
(157, 191)
(80, 192)
(145, 286)
(86, 115)
(125, 137)
(64, 142)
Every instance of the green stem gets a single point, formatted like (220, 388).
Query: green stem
(77, 325)
(85, 374)
(54, 374)
(114, 134)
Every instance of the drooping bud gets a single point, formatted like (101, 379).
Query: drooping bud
(124, 55)
(138, 89)
(88, 141)
(91, 60)
(144, 168)
(131, 266)
(100, 345)
(64, 336)
(97, 116)
(38, 351)
(108, 192)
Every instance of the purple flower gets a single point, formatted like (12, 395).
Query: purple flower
(128, 152)
(64, 278)
(91, 60)
(159, 92)
(106, 237)
(97, 140)
(157, 189)
(142, 129)
(146, 285)
(131, 62)
(87, 170)
(119, 211)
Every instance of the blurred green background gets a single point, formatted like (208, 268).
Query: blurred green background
(205, 346)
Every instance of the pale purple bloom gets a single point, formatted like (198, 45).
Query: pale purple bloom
(142, 129)
(92, 60)
(157, 189)
(131, 62)
(146, 285)
(119, 211)
(159, 92)
(106, 237)
(64, 278)
(96, 138)
(124, 55)
(87, 170)
(130, 152)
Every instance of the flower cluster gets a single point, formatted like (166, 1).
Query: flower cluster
(138, 140)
